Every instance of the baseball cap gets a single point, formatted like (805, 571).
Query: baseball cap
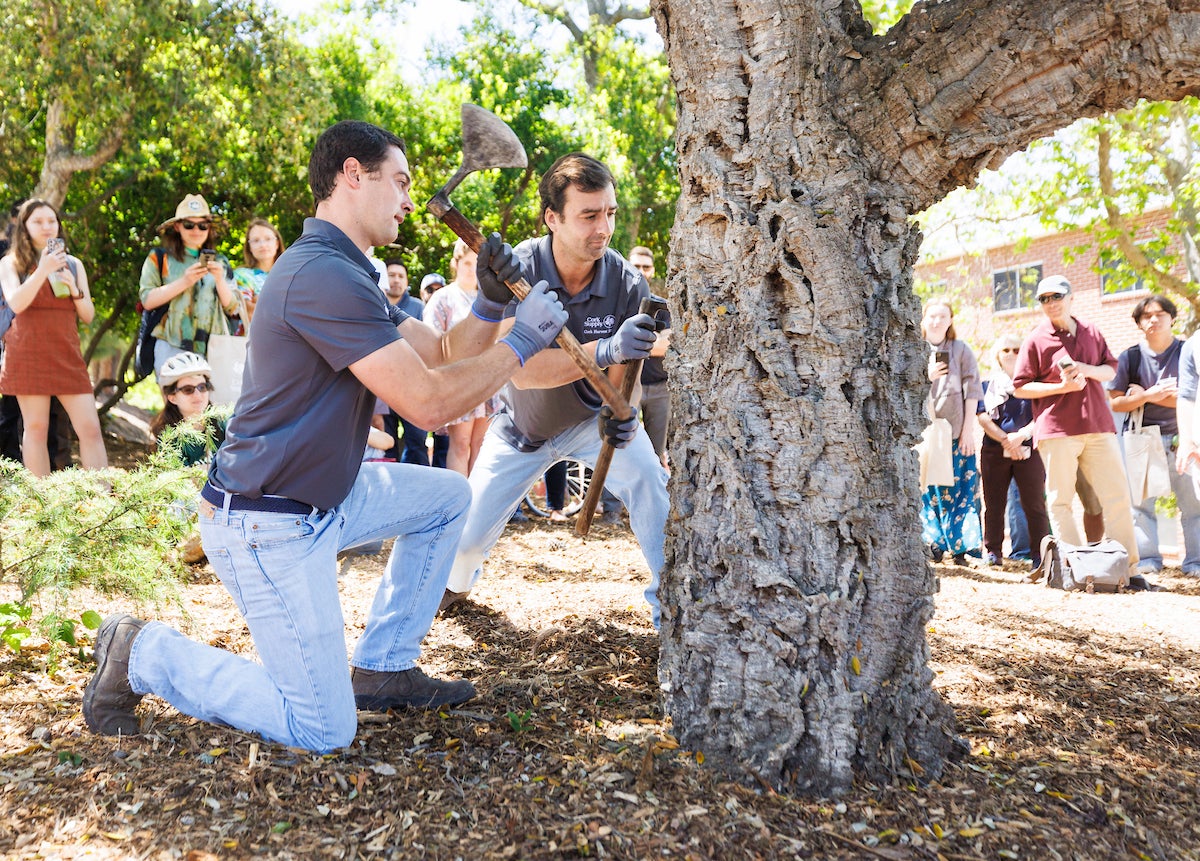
(432, 278)
(1055, 284)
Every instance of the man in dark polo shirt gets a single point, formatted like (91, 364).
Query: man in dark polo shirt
(288, 489)
(550, 412)
(656, 400)
(1062, 368)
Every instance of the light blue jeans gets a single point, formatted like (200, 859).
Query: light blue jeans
(1145, 520)
(281, 570)
(502, 475)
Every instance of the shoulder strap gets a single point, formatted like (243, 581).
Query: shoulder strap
(160, 257)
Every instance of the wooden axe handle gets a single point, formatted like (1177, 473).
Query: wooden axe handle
(583, 521)
(599, 381)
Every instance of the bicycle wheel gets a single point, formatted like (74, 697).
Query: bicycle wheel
(577, 483)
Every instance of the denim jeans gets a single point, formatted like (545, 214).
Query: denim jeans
(502, 474)
(1145, 520)
(1018, 525)
(281, 570)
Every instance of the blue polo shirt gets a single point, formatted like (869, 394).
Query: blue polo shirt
(532, 416)
(300, 425)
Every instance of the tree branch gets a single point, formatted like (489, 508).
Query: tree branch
(1124, 233)
(959, 85)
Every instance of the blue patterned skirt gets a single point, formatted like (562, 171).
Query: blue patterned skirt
(950, 514)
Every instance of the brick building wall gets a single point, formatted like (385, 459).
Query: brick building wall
(968, 281)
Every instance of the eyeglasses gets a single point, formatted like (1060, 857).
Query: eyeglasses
(1010, 349)
(1051, 297)
(195, 225)
(202, 388)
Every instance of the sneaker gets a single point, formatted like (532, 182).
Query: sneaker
(109, 701)
(609, 518)
(382, 690)
(936, 552)
(1138, 583)
(993, 560)
(449, 599)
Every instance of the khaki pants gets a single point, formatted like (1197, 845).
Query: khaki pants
(1098, 457)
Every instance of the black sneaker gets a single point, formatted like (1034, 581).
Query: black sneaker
(382, 690)
(936, 553)
(109, 701)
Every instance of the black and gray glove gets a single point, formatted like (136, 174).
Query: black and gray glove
(619, 432)
(633, 340)
(540, 317)
(496, 265)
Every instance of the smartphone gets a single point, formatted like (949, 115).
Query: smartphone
(58, 284)
(1066, 363)
(207, 256)
(942, 356)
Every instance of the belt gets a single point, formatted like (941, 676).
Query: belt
(237, 502)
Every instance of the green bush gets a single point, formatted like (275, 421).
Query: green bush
(113, 532)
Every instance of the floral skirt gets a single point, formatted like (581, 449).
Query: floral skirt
(950, 514)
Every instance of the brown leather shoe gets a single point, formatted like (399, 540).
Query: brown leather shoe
(449, 599)
(109, 701)
(380, 690)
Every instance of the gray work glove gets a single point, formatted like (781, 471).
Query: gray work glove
(495, 266)
(540, 317)
(614, 430)
(633, 340)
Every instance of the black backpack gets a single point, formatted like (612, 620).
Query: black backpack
(143, 355)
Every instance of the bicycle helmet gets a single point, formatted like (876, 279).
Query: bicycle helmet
(183, 365)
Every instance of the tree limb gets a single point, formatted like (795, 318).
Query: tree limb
(959, 85)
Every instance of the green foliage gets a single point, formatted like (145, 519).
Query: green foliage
(882, 14)
(69, 532)
(520, 721)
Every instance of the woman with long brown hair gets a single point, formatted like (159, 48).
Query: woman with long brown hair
(48, 290)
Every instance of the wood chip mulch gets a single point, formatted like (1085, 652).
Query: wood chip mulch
(1082, 713)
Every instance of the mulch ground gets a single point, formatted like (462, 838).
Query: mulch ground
(1082, 713)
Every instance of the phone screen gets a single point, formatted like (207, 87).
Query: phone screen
(942, 356)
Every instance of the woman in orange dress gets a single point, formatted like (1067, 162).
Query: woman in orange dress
(42, 358)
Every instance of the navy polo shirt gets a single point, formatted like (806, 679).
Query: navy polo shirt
(301, 422)
(532, 416)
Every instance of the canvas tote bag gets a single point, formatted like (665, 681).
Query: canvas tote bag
(1145, 461)
(227, 356)
(935, 452)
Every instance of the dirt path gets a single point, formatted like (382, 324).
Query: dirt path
(1082, 714)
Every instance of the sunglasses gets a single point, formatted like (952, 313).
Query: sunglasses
(202, 388)
(1052, 297)
(195, 225)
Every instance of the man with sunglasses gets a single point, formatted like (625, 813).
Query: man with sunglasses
(1062, 368)
(288, 490)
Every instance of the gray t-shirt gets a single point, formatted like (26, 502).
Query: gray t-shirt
(300, 425)
(532, 416)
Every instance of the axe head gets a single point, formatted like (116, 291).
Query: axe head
(488, 142)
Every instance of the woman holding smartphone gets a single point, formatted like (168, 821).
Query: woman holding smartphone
(191, 279)
(447, 307)
(950, 513)
(48, 290)
(263, 246)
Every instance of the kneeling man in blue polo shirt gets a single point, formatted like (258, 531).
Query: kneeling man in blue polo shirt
(288, 490)
(550, 413)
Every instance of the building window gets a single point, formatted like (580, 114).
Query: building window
(1116, 275)
(1014, 288)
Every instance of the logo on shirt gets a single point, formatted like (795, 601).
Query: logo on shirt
(599, 325)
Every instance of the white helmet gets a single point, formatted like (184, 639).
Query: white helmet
(183, 365)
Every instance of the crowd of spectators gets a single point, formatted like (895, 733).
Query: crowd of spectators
(1053, 458)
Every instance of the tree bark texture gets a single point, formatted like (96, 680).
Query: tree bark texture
(797, 596)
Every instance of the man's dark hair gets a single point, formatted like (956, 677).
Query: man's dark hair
(1163, 302)
(573, 169)
(347, 139)
(396, 261)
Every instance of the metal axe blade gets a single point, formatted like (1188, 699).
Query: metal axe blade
(488, 143)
